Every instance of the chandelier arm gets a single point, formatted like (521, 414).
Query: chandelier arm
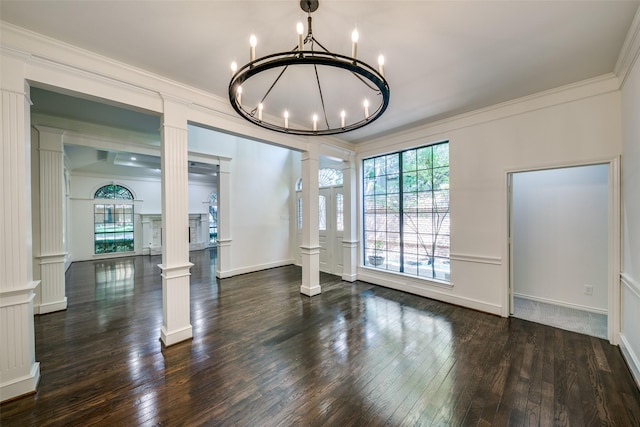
(324, 110)
(273, 84)
(320, 44)
(355, 60)
(364, 82)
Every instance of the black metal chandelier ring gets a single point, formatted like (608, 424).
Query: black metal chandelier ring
(362, 70)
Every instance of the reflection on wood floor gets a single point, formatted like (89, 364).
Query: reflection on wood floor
(262, 354)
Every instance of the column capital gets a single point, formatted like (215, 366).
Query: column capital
(312, 152)
(175, 112)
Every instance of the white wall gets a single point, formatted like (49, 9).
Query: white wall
(577, 124)
(560, 236)
(630, 283)
(260, 197)
(147, 193)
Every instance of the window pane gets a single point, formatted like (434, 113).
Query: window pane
(339, 212)
(369, 186)
(369, 168)
(393, 184)
(381, 166)
(409, 160)
(322, 213)
(425, 180)
(424, 160)
(441, 155)
(410, 182)
(393, 164)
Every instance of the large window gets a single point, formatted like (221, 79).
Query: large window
(113, 222)
(406, 211)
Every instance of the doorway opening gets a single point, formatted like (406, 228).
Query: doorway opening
(560, 245)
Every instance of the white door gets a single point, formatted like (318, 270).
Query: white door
(325, 230)
(330, 229)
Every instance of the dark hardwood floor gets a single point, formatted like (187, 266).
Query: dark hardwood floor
(262, 354)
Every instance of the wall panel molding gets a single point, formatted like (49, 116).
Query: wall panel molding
(481, 259)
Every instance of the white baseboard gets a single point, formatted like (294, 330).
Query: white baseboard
(52, 306)
(253, 268)
(562, 304)
(434, 291)
(631, 358)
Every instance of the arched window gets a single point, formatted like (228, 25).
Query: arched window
(328, 177)
(113, 222)
(113, 191)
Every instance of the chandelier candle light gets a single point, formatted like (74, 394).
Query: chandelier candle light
(264, 85)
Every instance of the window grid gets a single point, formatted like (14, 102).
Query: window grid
(113, 222)
(339, 212)
(113, 228)
(406, 211)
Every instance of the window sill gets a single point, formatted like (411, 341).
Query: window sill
(364, 270)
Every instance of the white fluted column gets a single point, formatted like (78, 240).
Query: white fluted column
(310, 248)
(349, 236)
(176, 315)
(52, 281)
(19, 371)
(224, 220)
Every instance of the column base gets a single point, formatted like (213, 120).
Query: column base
(349, 277)
(21, 386)
(310, 290)
(174, 337)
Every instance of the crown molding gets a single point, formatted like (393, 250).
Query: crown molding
(606, 83)
(630, 50)
(45, 55)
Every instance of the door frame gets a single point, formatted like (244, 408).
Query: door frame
(614, 240)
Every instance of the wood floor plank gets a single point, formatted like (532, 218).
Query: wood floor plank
(262, 354)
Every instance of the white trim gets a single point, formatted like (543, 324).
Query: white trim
(631, 284)
(310, 291)
(632, 359)
(50, 62)
(480, 259)
(561, 303)
(174, 337)
(630, 50)
(176, 270)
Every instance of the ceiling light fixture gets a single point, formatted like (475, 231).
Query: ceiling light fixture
(358, 95)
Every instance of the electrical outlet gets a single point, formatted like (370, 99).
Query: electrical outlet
(588, 289)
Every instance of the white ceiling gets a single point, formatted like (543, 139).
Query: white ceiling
(442, 57)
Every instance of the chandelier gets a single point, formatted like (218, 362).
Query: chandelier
(356, 94)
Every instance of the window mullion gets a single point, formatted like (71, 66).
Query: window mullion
(401, 210)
